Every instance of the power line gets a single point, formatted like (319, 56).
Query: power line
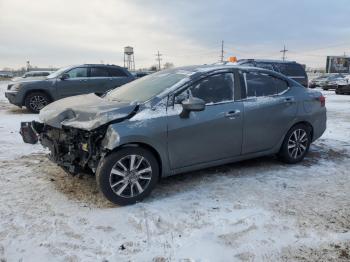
(284, 51)
(222, 51)
(158, 55)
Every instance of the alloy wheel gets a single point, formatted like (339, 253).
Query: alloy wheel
(37, 102)
(130, 176)
(297, 143)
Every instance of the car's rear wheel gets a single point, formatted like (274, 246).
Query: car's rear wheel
(128, 175)
(36, 101)
(296, 144)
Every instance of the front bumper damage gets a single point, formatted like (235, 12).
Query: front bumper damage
(73, 149)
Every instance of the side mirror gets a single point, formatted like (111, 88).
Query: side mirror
(64, 76)
(192, 104)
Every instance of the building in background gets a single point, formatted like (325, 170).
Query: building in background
(338, 64)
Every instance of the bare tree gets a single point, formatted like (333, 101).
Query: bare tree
(168, 65)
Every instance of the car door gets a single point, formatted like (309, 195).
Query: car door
(100, 79)
(76, 83)
(269, 110)
(209, 135)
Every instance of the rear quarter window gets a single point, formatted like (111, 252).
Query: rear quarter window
(281, 85)
(248, 64)
(116, 72)
(291, 69)
(265, 66)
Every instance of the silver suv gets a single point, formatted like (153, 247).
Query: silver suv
(35, 94)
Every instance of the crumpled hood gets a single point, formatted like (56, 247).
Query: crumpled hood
(85, 112)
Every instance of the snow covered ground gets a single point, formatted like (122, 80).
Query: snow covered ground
(256, 210)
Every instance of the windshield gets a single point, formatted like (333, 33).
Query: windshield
(147, 87)
(58, 72)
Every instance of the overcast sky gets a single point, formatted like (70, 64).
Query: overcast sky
(65, 32)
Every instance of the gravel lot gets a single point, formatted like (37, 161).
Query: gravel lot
(256, 210)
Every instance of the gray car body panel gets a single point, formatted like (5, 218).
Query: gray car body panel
(157, 125)
(57, 89)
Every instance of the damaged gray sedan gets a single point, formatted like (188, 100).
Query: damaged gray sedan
(176, 121)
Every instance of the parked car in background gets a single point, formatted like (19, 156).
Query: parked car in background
(316, 82)
(5, 75)
(291, 69)
(333, 81)
(343, 89)
(68, 81)
(32, 75)
(179, 120)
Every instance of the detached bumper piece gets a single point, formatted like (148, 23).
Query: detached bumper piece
(30, 131)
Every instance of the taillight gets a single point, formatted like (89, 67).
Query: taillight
(322, 101)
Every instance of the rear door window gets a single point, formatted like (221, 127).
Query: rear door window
(291, 69)
(258, 84)
(265, 66)
(98, 72)
(250, 64)
(116, 72)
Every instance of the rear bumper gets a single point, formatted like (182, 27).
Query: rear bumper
(13, 98)
(343, 89)
(319, 124)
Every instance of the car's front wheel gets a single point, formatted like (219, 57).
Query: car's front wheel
(128, 175)
(296, 144)
(36, 101)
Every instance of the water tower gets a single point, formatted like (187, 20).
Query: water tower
(129, 61)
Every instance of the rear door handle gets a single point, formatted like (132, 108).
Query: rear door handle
(233, 114)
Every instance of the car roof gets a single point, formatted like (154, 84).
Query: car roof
(101, 65)
(38, 72)
(266, 61)
(203, 69)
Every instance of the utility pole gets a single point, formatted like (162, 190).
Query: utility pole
(158, 55)
(284, 51)
(222, 51)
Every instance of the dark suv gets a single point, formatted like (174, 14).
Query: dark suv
(291, 69)
(68, 81)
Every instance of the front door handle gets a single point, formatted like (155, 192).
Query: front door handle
(233, 114)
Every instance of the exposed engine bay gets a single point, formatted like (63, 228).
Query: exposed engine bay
(75, 150)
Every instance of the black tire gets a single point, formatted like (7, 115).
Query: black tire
(287, 153)
(110, 183)
(35, 101)
(325, 89)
